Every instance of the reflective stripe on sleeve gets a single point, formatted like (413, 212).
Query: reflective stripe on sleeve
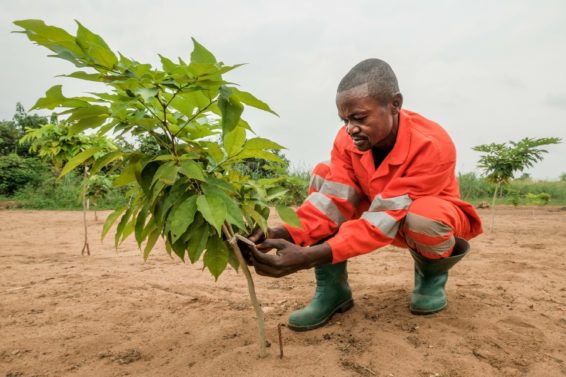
(325, 205)
(387, 224)
(397, 202)
(341, 190)
(316, 182)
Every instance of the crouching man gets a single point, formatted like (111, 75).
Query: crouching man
(390, 181)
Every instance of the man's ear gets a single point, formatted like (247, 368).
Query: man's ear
(396, 103)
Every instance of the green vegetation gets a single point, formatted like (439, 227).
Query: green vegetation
(500, 161)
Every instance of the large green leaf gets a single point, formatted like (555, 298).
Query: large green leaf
(201, 55)
(54, 98)
(213, 210)
(167, 173)
(216, 256)
(181, 217)
(191, 169)
(56, 39)
(110, 220)
(84, 118)
(288, 215)
(79, 159)
(197, 241)
(140, 224)
(95, 47)
(234, 141)
(258, 143)
(105, 160)
(250, 100)
(127, 176)
(151, 240)
(231, 110)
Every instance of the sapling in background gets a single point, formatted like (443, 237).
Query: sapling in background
(191, 193)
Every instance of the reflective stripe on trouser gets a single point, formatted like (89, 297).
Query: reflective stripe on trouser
(430, 226)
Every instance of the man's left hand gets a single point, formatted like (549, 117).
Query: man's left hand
(288, 257)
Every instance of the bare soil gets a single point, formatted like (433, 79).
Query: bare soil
(111, 314)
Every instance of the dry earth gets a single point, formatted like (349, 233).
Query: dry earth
(111, 314)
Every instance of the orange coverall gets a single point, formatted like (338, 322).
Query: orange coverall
(411, 200)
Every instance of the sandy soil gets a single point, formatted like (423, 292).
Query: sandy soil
(111, 314)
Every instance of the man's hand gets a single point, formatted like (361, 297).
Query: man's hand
(288, 257)
(257, 236)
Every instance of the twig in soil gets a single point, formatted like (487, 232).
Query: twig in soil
(279, 325)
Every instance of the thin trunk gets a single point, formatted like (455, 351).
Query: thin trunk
(85, 206)
(493, 207)
(229, 233)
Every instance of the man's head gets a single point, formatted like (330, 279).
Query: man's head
(369, 102)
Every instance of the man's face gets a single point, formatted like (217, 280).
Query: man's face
(369, 123)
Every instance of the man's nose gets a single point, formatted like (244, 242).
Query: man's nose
(351, 129)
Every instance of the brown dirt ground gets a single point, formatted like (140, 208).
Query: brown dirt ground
(111, 314)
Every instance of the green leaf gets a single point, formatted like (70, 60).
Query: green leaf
(167, 173)
(197, 241)
(234, 141)
(151, 240)
(233, 260)
(192, 170)
(146, 93)
(257, 218)
(215, 152)
(216, 256)
(110, 220)
(231, 110)
(213, 210)
(55, 39)
(78, 159)
(181, 217)
(140, 224)
(146, 176)
(84, 118)
(201, 55)
(127, 176)
(54, 98)
(179, 249)
(105, 160)
(258, 143)
(250, 100)
(121, 226)
(95, 47)
(288, 215)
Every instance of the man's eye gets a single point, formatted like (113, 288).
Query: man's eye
(358, 119)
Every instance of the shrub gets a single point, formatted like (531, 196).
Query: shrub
(16, 172)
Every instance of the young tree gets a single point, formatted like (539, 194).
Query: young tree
(58, 144)
(500, 162)
(191, 194)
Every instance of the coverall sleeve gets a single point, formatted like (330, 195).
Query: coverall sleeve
(330, 205)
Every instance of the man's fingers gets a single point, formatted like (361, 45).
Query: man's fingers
(263, 257)
(257, 236)
(277, 243)
(266, 270)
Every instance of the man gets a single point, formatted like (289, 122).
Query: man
(390, 181)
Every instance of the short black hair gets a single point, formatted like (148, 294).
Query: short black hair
(381, 80)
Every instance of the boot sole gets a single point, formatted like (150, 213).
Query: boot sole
(342, 308)
(426, 312)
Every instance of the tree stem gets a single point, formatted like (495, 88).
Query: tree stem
(229, 233)
(493, 207)
(85, 246)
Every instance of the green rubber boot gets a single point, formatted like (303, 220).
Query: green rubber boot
(430, 278)
(332, 295)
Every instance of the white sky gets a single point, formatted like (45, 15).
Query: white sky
(487, 71)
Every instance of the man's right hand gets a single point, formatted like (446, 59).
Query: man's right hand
(258, 236)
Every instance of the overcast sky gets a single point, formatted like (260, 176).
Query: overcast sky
(487, 71)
